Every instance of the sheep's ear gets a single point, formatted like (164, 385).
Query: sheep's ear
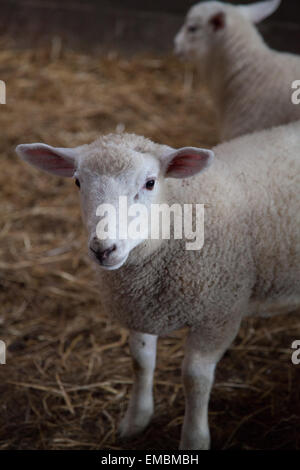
(257, 12)
(218, 21)
(186, 162)
(57, 161)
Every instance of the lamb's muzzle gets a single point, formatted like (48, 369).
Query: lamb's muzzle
(106, 254)
(102, 255)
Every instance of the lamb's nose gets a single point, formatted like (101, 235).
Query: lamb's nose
(104, 254)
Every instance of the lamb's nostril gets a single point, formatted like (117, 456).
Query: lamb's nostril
(103, 255)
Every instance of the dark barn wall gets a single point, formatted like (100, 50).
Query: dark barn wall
(131, 25)
(289, 10)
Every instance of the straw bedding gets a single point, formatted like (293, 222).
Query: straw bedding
(68, 371)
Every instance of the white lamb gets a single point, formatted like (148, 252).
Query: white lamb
(250, 83)
(250, 259)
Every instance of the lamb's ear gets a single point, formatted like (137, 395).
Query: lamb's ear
(218, 21)
(258, 11)
(186, 162)
(57, 161)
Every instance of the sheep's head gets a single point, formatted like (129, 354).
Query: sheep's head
(114, 174)
(207, 23)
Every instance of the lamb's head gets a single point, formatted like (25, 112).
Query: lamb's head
(208, 23)
(119, 177)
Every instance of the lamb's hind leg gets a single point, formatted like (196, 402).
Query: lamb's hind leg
(141, 406)
(204, 348)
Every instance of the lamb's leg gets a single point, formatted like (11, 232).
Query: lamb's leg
(141, 407)
(203, 351)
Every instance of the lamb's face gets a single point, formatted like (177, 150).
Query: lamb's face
(119, 178)
(207, 23)
(117, 186)
(203, 26)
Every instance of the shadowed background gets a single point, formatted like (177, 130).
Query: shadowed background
(75, 70)
(130, 25)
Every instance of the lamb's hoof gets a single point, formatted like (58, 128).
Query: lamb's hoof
(131, 427)
(195, 444)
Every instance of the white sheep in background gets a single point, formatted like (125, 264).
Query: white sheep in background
(250, 260)
(250, 83)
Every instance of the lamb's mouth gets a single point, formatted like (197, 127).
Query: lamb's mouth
(111, 266)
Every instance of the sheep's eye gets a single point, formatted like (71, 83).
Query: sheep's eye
(77, 182)
(150, 184)
(192, 29)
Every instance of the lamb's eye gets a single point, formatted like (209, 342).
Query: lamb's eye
(192, 29)
(150, 184)
(77, 182)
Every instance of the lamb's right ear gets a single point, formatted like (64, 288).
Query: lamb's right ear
(57, 161)
(257, 12)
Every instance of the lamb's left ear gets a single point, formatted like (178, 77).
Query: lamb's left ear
(57, 161)
(186, 162)
(258, 11)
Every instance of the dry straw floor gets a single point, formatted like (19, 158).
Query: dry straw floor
(68, 371)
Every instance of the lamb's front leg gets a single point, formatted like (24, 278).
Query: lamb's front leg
(204, 348)
(141, 406)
